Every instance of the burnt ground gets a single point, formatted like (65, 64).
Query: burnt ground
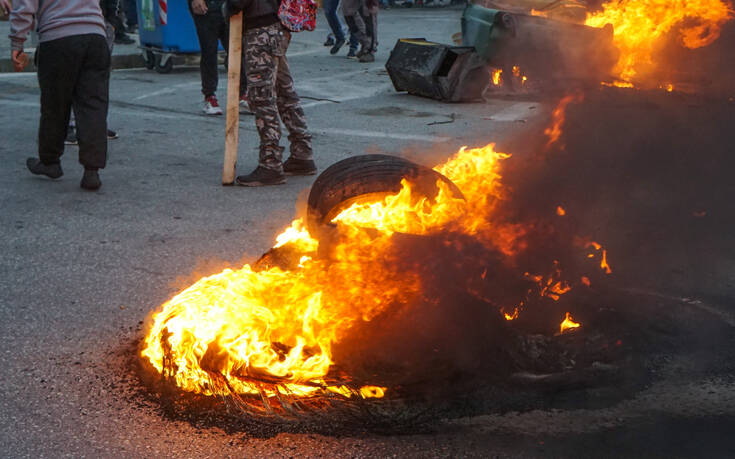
(645, 173)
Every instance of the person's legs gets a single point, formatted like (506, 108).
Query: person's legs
(223, 33)
(290, 111)
(131, 14)
(90, 99)
(371, 28)
(330, 11)
(206, 27)
(261, 48)
(58, 64)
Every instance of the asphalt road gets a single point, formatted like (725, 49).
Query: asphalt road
(80, 271)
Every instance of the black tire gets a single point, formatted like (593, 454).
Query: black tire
(150, 59)
(348, 180)
(165, 68)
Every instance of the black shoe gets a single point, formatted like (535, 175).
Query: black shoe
(91, 180)
(71, 136)
(329, 42)
(363, 51)
(49, 170)
(294, 166)
(261, 176)
(123, 40)
(337, 45)
(367, 57)
(352, 54)
(112, 135)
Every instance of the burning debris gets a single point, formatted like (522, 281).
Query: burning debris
(269, 330)
(386, 244)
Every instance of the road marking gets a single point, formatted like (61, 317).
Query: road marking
(517, 111)
(169, 90)
(383, 135)
(362, 94)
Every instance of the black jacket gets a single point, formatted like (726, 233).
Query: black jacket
(256, 13)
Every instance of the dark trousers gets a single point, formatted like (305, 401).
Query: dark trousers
(74, 71)
(211, 28)
(131, 13)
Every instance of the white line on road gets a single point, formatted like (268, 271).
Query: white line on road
(383, 135)
(169, 90)
(517, 111)
(362, 95)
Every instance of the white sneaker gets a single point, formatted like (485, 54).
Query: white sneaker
(244, 106)
(211, 106)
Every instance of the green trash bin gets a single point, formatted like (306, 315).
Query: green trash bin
(544, 49)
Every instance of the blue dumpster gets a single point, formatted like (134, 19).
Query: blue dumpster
(166, 28)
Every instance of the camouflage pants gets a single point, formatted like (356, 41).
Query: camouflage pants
(271, 93)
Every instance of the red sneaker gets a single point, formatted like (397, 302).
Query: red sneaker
(211, 106)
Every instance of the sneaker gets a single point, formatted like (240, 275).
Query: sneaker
(352, 54)
(211, 106)
(337, 45)
(329, 42)
(112, 135)
(49, 170)
(244, 105)
(71, 136)
(260, 177)
(367, 57)
(123, 39)
(90, 180)
(295, 166)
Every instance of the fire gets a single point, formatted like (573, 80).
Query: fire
(560, 211)
(496, 74)
(269, 332)
(558, 117)
(640, 24)
(568, 324)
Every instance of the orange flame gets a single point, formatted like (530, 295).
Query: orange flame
(560, 211)
(496, 75)
(558, 117)
(568, 324)
(271, 331)
(640, 24)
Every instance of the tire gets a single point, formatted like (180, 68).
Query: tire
(360, 177)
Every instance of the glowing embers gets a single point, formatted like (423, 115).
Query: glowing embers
(568, 324)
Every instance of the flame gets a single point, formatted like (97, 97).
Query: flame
(568, 324)
(599, 249)
(560, 211)
(270, 332)
(512, 316)
(558, 116)
(640, 24)
(496, 74)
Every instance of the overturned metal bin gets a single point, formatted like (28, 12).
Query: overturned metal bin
(549, 52)
(443, 72)
(544, 49)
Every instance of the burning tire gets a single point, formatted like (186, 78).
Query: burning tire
(363, 178)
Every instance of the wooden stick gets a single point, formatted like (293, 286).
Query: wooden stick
(234, 57)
